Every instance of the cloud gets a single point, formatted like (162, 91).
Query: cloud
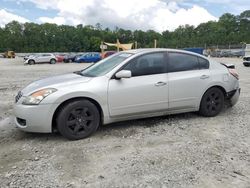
(6, 17)
(129, 14)
(193, 16)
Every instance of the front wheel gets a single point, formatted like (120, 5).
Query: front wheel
(78, 119)
(31, 62)
(212, 102)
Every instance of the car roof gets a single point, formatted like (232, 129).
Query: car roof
(148, 50)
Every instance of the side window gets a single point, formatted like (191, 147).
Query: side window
(182, 62)
(204, 64)
(153, 63)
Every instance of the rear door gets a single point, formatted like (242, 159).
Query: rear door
(188, 77)
(47, 58)
(146, 91)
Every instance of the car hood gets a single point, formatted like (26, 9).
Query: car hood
(55, 82)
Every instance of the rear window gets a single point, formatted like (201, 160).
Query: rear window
(178, 62)
(204, 64)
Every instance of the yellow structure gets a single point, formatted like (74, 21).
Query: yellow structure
(9, 54)
(119, 46)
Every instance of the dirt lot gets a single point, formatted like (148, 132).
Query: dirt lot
(183, 150)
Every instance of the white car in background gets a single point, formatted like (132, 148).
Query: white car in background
(127, 85)
(246, 61)
(40, 58)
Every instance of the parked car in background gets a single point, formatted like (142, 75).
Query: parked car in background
(246, 58)
(60, 57)
(127, 85)
(108, 53)
(41, 58)
(246, 61)
(69, 58)
(78, 56)
(91, 57)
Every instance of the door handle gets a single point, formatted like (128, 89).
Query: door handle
(204, 76)
(160, 84)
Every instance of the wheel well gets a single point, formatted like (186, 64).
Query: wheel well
(54, 124)
(222, 89)
(219, 87)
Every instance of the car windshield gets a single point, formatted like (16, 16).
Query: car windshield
(104, 66)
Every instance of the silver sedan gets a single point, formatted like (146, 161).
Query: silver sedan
(127, 85)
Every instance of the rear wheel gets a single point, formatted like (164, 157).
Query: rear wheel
(78, 119)
(212, 102)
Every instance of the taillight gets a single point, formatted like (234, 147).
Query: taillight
(234, 73)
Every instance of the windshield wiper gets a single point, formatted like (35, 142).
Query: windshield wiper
(78, 72)
(82, 74)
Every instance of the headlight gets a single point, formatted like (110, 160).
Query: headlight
(36, 97)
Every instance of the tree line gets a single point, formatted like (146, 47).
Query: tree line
(32, 37)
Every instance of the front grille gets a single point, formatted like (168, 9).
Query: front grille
(19, 95)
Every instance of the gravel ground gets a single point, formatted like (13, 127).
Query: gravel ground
(183, 150)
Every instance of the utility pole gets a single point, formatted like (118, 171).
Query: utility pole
(118, 44)
(155, 43)
(135, 44)
(102, 49)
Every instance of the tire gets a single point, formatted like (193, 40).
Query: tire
(52, 61)
(78, 119)
(31, 62)
(212, 102)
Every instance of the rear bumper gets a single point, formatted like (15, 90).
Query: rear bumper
(233, 96)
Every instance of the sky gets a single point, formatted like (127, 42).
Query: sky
(158, 15)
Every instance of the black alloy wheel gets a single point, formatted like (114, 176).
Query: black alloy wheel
(78, 119)
(212, 102)
(31, 62)
(52, 61)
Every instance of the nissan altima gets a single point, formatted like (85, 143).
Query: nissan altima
(127, 85)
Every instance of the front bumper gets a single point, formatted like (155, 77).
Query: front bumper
(233, 96)
(246, 63)
(34, 118)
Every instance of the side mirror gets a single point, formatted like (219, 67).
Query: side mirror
(123, 74)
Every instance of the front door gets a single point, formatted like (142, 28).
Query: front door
(145, 92)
